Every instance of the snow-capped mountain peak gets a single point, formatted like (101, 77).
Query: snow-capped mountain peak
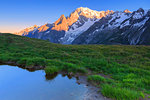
(63, 23)
(84, 11)
(86, 26)
(80, 20)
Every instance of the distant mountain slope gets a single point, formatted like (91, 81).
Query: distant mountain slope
(86, 26)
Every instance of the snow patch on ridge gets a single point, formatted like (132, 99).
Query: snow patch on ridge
(125, 24)
(142, 22)
(138, 15)
(73, 33)
(119, 17)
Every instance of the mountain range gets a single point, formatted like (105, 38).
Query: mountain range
(86, 26)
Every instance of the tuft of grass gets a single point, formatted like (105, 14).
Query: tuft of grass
(73, 68)
(96, 79)
(120, 93)
(51, 70)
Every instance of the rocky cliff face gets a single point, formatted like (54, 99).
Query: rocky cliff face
(86, 26)
(61, 24)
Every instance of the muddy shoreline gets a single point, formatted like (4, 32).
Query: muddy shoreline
(93, 92)
(29, 68)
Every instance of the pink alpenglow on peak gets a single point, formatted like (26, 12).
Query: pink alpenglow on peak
(25, 31)
(63, 23)
(43, 28)
(82, 16)
(127, 11)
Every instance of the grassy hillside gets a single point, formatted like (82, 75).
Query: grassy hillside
(122, 72)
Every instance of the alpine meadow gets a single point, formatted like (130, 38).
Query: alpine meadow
(75, 50)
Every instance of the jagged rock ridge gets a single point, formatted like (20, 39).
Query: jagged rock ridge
(86, 26)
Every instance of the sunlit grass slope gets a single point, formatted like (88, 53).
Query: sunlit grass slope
(126, 69)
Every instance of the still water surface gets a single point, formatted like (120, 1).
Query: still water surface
(20, 84)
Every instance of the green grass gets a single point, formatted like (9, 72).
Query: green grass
(128, 67)
(120, 93)
(35, 61)
(51, 70)
(96, 79)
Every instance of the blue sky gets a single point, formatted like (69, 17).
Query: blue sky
(16, 15)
